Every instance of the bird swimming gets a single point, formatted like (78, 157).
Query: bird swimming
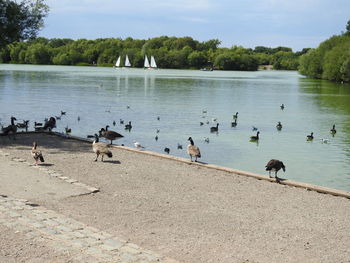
(193, 150)
(37, 154)
(282, 106)
(167, 150)
(255, 138)
(235, 116)
(275, 165)
(333, 130)
(310, 137)
(234, 124)
(279, 126)
(215, 128)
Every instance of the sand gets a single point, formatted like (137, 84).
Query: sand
(191, 213)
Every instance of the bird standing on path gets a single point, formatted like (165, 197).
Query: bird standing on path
(110, 135)
(275, 165)
(100, 148)
(37, 155)
(193, 150)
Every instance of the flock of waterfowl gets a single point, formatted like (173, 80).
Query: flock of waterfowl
(102, 149)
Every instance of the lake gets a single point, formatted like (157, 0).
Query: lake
(181, 99)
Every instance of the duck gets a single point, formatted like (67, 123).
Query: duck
(234, 124)
(179, 146)
(114, 123)
(235, 116)
(201, 123)
(156, 138)
(110, 135)
(206, 139)
(23, 125)
(12, 128)
(215, 128)
(100, 148)
(333, 130)
(38, 124)
(37, 154)
(128, 126)
(50, 124)
(193, 150)
(279, 126)
(167, 150)
(63, 113)
(310, 137)
(282, 106)
(67, 130)
(275, 165)
(121, 121)
(138, 145)
(255, 138)
(254, 128)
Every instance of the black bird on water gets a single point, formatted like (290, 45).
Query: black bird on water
(275, 165)
(167, 150)
(310, 137)
(333, 130)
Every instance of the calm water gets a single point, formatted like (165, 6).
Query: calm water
(101, 95)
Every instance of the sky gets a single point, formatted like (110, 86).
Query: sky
(296, 24)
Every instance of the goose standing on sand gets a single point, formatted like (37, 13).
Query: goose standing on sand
(333, 130)
(110, 135)
(275, 165)
(37, 155)
(100, 148)
(12, 128)
(215, 128)
(255, 138)
(310, 137)
(193, 150)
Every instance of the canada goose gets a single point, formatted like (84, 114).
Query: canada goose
(255, 138)
(201, 123)
(110, 135)
(37, 155)
(193, 150)
(214, 119)
(138, 145)
(121, 121)
(78, 118)
(50, 124)
(235, 116)
(310, 137)
(127, 106)
(179, 146)
(24, 124)
(167, 150)
(157, 131)
(63, 113)
(128, 126)
(279, 126)
(37, 124)
(114, 123)
(215, 128)
(282, 107)
(234, 124)
(100, 148)
(12, 128)
(333, 130)
(275, 165)
(204, 111)
(156, 138)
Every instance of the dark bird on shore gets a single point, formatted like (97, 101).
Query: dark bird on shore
(215, 128)
(110, 135)
(282, 107)
(193, 150)
(167, 150)
(206, 139)
(100, 148)
(310, 137)
(333, 130)
(235, 116)
(63, 113)
(128, 126)
(279, 126)
(50, 124)
(11, 129)
(158, 118)
(157, 131)
(37, 154)
(179, 146)
(255, 138)
(275, 165)
(234, 123)
(23, 125)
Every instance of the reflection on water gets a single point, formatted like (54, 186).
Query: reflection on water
(101, 96)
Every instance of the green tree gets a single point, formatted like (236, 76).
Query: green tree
(20, 20)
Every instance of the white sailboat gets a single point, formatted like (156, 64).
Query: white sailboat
(146, 64)
(153, 63)
(127, 62)
(117, 63)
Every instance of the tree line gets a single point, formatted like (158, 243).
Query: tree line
(170, 52)
(330, 60)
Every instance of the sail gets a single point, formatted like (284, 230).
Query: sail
(153, 62)
(146, 64)
(127, 62)
(117, 64)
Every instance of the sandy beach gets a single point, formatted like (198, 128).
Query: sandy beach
(183, 212)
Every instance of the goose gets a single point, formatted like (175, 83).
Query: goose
(201, 123)
(156, 138)
(138, 145)
(215, 128)
(255, 138)
(204, 111)
(78, 118)
(63, 113)
(234, 124)
(333, 130)
(214, 119)
(50, 124)
(67, 130)
(12, 128)
(128, 126)
(128, 106)
(37, 124)
(23, 125)
(114, 123)
(110, 135)
(193, 150)
(121, 121)
(37, 154)
(179, 146)
(157, 131)
(275, 165)
(100, 148)
(206, 139)
(310, 137)
(235, 116)
(279, 126)
(158, 118)
(254, 128)
(167, 150)
(282, 107)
